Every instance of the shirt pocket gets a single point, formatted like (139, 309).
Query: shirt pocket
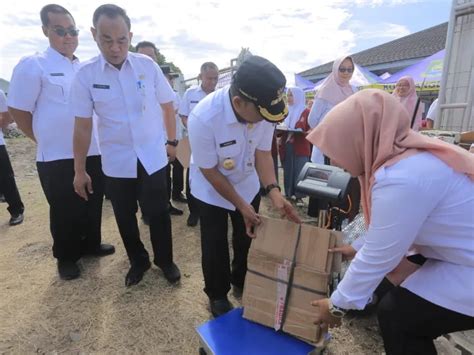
(54, 87)
(107, 104)
(230, 161)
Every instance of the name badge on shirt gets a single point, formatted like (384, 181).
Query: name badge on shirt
(56, 74)
(101, 86)
(226, 144)
(194, 101)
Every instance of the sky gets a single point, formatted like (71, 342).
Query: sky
(296, 35)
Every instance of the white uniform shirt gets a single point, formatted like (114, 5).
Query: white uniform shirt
(129, 118)
(418, 201)
(190, 99)
(41, 84)
(215, 135)
(433, 111)
(179, 124)
(318, 111)
(3, 108)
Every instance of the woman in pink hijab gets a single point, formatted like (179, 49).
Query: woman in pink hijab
(405, 91)
(416, 191)
(334, 89)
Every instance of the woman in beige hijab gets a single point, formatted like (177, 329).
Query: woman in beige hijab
(416, 191)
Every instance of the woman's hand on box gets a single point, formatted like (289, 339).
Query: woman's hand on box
(324, 318)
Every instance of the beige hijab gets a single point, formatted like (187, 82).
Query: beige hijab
(371, 129)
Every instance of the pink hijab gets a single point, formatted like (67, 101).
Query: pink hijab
(375, 132)
(332, 89)
(409, 102)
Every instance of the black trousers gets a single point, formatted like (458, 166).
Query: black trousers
(409, 323)
(151, 193)
(8, 185)
(175, 182)
(193, 203)
(215, 249)
(75, 224)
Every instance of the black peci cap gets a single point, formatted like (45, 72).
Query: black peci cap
(261, 82)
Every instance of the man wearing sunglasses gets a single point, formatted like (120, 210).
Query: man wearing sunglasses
(39, 102)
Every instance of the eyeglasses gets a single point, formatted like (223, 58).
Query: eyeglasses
(343, 70)
(62, 32)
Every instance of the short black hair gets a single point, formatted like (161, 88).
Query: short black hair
(208, 65)
(111, 11)
(144, 44)
(234, 91)
(55, 9)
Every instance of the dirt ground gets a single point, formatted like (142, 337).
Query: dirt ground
(41, 314)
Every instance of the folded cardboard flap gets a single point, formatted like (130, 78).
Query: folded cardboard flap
(288, 267)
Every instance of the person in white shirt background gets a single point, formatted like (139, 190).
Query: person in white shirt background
(131, 98)
(175, 183)
(230, 133)
(7, 178)
(208, 75)
(39, 101)
(432, 114)
(417, 193)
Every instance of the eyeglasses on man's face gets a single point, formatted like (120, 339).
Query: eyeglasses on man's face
(348, 70)
(62, 32)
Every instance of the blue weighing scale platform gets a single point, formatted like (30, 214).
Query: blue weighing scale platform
(231, 334)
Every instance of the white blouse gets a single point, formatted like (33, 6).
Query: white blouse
(418, 201)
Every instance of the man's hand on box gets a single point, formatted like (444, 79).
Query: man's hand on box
(347, 251)
(323, 317)
(251, 219)
(285, 208)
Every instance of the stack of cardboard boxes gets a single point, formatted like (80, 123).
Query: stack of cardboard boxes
(289, 266)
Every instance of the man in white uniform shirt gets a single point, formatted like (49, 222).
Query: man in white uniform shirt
(7, 178)
(231, 154)
(39, 102)
(209, 74)
(124, 90)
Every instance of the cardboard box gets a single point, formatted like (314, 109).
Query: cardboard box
(288, 267)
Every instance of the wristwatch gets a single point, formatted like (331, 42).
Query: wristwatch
(271, 187)
(173, 143)
(336, 311)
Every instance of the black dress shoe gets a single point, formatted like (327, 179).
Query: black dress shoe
(171, 272)
(220, 306)
(16, 219)
(136, 272)
(102, 250)
(68, 270)
(180, 198)
(193, 220)
(175, 211)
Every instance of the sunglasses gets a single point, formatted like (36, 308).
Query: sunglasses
(343, 70)
(62, 32)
